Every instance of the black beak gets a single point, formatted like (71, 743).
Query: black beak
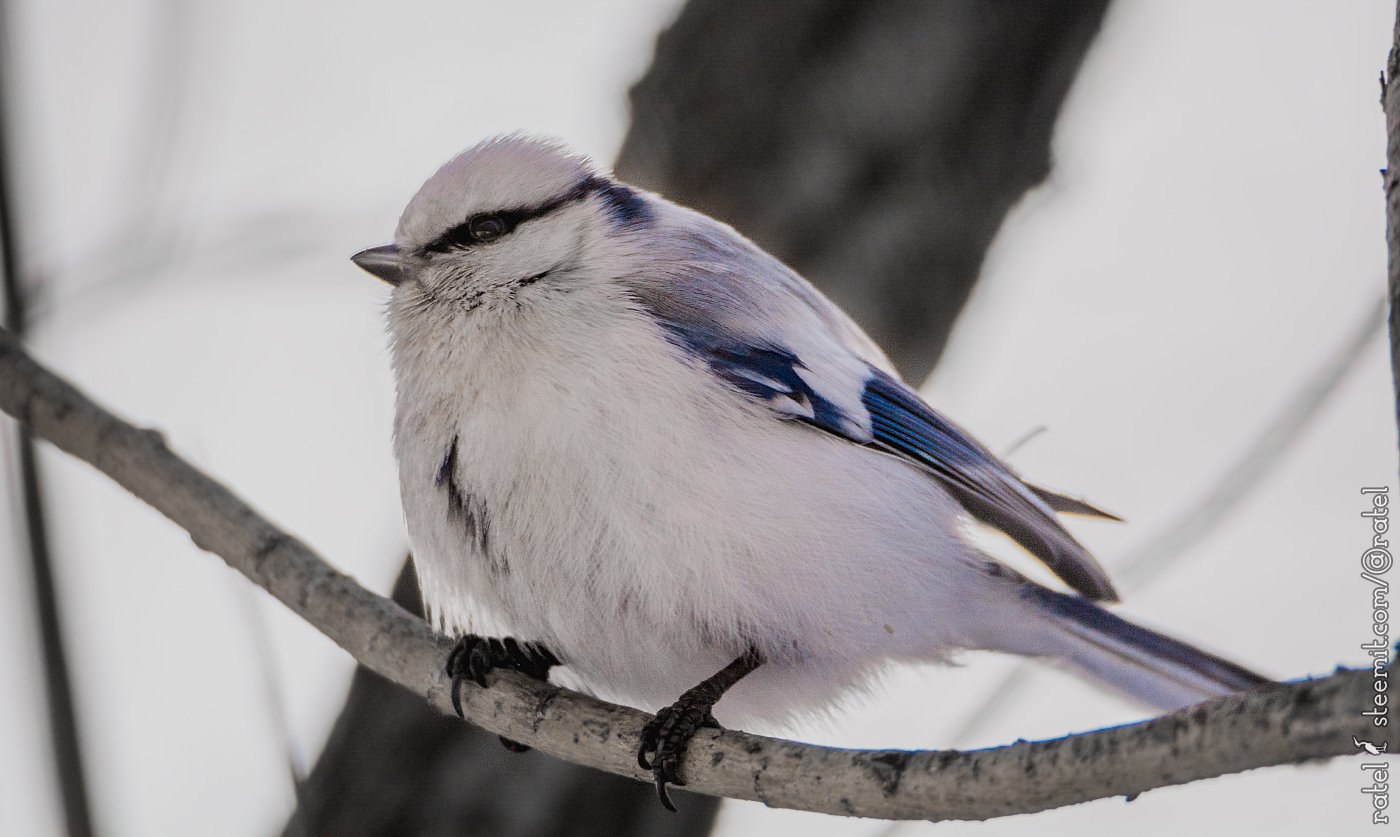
(385, 263)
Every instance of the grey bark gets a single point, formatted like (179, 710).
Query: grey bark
(1390, 104)
(1277, 724)
(875, 146)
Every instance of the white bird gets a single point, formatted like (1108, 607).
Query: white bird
(633, 444)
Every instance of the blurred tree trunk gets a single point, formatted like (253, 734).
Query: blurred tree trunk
(875, 147)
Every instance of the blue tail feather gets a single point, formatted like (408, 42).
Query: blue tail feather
(1155, 668)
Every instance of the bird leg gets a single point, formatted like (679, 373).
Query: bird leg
(474, 657)
(667, 736)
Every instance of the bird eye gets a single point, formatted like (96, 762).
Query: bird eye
(486, 228)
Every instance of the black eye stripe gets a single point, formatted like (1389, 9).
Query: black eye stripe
(460, 236)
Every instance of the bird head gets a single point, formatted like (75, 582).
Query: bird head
(506, 215)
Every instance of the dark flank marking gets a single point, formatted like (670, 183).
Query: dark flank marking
(446, 477)
(468, 508)
(624, 204)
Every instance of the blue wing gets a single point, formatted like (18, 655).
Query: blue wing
(770, 335)
(903, 424)
(900, 423)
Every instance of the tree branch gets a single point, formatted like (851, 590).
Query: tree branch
(1390, 102)
(1278, 724)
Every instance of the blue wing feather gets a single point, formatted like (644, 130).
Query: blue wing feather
(903, 424)
(767, 372)
(900, 423)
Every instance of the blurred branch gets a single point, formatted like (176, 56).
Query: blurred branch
(1223, 496)
(1277, 724)
(58, 687)
(874, 147)
(143, 239)
(1390, 103)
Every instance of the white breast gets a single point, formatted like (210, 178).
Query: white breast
(648, 525)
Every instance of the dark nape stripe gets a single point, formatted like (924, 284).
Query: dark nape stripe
(627, 207)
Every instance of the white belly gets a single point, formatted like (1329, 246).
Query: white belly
(649, 539)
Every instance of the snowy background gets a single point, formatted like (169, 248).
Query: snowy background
(1212, 231)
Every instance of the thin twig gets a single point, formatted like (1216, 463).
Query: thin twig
(58, 687)
(1277, 724)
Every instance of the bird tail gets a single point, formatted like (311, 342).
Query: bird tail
(1153, 668)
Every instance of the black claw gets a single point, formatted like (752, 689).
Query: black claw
(666, 737)
(474, 657)
(663, 795)
(668, 769)
(479, 663)
(651, 734)
(514, 746)
(457, 697)
(454, 656)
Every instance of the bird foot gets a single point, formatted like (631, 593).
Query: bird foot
(666, 738)
(474, 657)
